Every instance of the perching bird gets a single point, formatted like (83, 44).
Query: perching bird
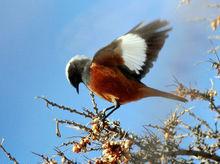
(115, 72)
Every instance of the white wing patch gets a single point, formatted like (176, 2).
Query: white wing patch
(133, 51)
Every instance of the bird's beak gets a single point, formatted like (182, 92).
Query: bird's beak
(77, 88)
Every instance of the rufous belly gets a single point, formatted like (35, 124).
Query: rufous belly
(112, 85)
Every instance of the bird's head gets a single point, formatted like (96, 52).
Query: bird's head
(74, 70)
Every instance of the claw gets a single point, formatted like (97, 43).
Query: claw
(103, 112)
(103, 116)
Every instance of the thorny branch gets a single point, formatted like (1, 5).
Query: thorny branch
(59, 153)
(71, 110)
(101, 135)
(9, 156)
(46, 159)
(194, 94)
(72, 123)
(116, 144)
(173, 138)
(95, 107)
(64, 159)
(197, 154)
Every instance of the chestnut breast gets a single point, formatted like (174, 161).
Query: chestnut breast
(111, 84)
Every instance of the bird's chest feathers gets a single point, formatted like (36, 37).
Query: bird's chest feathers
(109, 83)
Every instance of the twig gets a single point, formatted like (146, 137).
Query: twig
(199, 119)
(63, 107)
(58, 134)
(93, 149)
(91, 114)
(45, 158)
(197, 154)
(82, 127)
(8, 155)
(64, 159)
(194, 94)
(95, 107)
(68, 143)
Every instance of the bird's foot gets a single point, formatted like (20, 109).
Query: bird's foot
(103, 113)
(114, 108)
(103, 116)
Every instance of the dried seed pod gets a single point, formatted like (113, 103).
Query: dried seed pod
(76, 148)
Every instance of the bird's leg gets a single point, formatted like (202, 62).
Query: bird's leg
(115, 107)
(105, 110)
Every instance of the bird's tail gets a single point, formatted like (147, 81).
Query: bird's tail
(151, 92)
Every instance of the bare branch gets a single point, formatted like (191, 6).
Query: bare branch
(8, 155)
(48, 102)
(46, 159)
(194, 94)
(197, 154)
(95, 107)
(72, 123)
(64, 159)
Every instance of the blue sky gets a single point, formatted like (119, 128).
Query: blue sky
(37, 38)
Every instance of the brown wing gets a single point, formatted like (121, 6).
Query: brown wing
(135, 52)
(109, 55)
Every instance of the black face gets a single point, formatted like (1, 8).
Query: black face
(74, 76)
(75, 72)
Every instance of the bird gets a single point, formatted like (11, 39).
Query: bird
(116, 70)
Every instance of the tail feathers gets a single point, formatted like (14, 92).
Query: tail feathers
(150, 92)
